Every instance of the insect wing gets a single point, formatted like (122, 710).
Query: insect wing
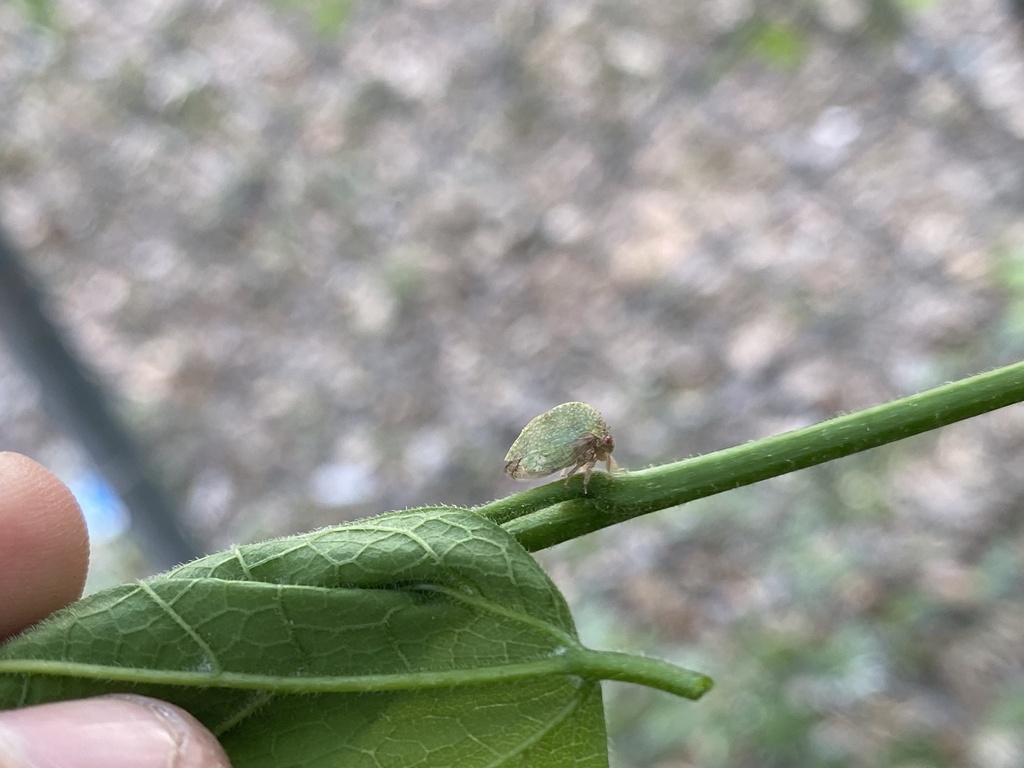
(561, 438)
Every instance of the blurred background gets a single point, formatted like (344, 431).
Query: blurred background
(326, 259)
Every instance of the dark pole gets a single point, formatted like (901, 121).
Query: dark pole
(78, 403)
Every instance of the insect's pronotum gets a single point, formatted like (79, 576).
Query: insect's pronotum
(569, 437)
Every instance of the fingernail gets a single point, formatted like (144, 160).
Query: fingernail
(106, 732)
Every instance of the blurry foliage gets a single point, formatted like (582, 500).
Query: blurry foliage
(329, 17)
(910, 5)
(40, 11)
(1009, 712)
(1010, 277)
(779, 44)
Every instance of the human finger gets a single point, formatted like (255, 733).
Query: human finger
(44, 545)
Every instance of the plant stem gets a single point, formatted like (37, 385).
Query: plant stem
(642, 670)
(574, 661)
(551, 514)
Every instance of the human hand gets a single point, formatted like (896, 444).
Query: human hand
(44, 556)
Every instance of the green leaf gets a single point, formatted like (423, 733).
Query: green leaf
(425, 637)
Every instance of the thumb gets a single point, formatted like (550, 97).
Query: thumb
(119, 731)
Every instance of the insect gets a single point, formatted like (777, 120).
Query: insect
(568, 437)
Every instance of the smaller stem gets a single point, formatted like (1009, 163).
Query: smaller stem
(520, 504)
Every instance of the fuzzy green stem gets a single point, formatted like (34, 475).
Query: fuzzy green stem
(642, 670)
(557, 512)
